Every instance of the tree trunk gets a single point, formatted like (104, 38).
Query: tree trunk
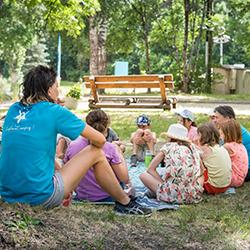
(97, 40)
(93, 44)
(148, 68)
(185, 80)
(196, 50)
(209, 45)
(102, 37)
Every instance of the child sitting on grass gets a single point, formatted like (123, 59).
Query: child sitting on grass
(216, 160)
(111, 136)
(230, 133)
(143, 138)
(187, 119)
(88, 188)
(182, 182)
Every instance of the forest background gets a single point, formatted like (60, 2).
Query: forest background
(154, 37)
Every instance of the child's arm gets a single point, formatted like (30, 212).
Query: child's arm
(154, 164)
(95, 137)
(132, 137)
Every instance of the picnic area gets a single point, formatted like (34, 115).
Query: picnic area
(143, 63)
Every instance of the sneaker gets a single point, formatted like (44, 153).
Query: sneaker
(133, 161)
(132, 208)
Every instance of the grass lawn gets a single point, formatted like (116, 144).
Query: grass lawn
(218, 222)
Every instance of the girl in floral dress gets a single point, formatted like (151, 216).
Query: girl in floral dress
(182, 182)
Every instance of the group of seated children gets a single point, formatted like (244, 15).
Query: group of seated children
(208, 158)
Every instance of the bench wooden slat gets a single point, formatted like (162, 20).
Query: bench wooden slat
(130, 78)
(111, 85)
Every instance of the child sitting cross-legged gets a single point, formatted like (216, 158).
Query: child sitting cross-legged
(230, 134)
(216, 160)
(182, 182)
(142, 139)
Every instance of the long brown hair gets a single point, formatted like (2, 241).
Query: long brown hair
(209, 134)
(232, 131)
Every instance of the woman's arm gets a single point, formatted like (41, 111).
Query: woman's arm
(154, 164)
(95, 137)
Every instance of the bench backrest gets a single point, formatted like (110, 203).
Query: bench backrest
(131, 81)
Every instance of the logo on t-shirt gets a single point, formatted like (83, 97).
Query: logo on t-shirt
(21, 116)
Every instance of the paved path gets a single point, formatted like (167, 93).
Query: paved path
(199, 105)
(196, 104)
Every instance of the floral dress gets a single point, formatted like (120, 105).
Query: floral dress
(182, 171)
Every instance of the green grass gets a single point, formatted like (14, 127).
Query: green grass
(218, 222)
(124, 123)
(67, 83)
(228, 97)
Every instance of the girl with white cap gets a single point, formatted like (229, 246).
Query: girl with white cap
(187, 119)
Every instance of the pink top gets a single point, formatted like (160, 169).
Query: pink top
(192, 134)
(239, 158)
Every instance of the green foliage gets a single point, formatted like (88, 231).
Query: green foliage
(36, 54)
(129, 22)
(75, 91)
(22, 221)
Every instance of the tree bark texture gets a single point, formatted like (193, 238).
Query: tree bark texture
(97, 40)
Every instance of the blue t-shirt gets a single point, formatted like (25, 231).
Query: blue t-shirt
(28, 149)
(246, 142)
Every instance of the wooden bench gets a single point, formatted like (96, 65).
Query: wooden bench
(161, 82)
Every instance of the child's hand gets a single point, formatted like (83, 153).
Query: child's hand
(148, 136)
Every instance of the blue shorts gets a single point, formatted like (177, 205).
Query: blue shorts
(57, 196)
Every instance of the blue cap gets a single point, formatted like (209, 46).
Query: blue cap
(142, 120)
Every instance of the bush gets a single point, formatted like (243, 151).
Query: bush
(75, 91)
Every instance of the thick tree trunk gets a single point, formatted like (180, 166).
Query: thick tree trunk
(93, 44)
(102, 56)
(97, 40)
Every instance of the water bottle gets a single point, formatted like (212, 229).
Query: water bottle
(148, 158)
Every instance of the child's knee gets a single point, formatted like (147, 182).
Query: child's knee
(139, 132)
